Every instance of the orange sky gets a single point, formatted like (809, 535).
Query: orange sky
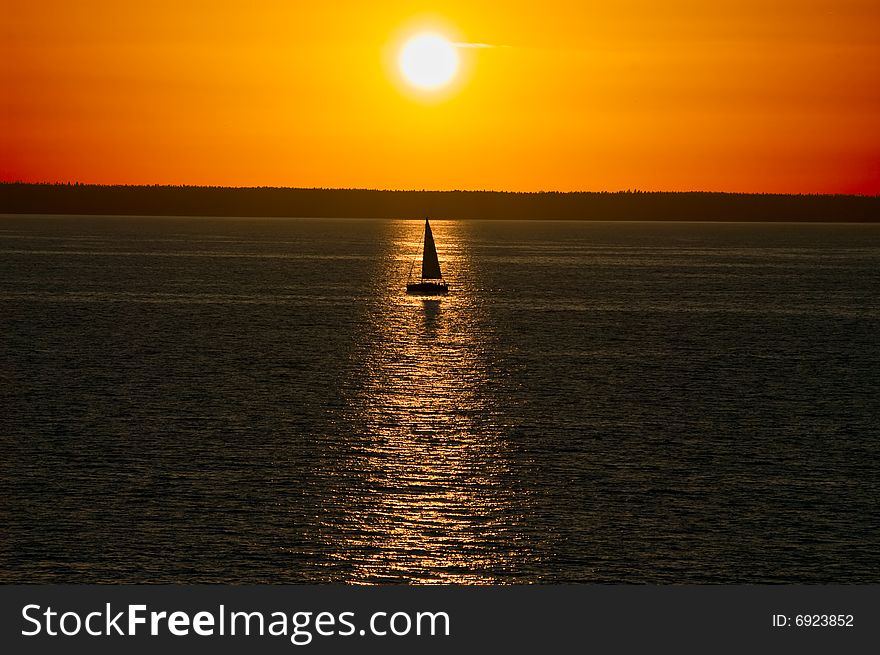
(744, 95)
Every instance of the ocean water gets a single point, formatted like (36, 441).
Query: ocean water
(257, 400)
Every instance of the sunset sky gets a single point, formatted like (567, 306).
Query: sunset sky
(746, 95)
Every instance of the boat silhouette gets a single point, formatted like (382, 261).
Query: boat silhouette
(431, 283)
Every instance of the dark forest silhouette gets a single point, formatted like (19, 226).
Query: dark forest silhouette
(273, 201)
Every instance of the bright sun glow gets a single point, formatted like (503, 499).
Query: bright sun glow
(428, 61)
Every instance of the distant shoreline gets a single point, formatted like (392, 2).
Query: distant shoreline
(84, 199)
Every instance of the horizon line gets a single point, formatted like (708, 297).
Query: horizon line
(632, 191)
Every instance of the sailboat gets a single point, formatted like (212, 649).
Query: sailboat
(431, 282)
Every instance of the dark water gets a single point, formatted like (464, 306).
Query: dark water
(257, 401)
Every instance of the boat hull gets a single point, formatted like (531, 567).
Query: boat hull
(427, 288)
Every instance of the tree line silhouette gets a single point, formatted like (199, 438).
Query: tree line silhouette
(21, 198)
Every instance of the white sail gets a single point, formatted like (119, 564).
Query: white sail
(430, 263)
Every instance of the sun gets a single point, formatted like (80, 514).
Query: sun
(428, 61)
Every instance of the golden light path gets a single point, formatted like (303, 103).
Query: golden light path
(435, 502)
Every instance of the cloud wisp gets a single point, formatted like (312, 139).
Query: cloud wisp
(479, 45)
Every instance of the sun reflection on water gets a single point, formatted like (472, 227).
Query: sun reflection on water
(430, 495)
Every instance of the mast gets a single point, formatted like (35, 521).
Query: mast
(430, 263)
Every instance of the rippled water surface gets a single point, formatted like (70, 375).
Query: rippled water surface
(257, 400)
